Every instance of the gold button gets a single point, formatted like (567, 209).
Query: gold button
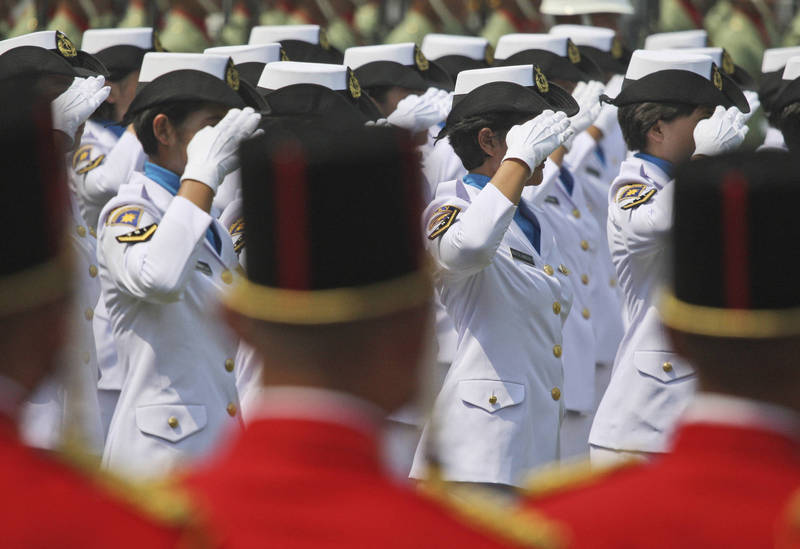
(563, 269)
(231, 409)
(492, 399)
(557, 351)
(172, 422)
(585, 313)
(227, 276)
(89, 313)
(557, 307)
(585, 279)
(81, 230)
(576, 212)
(555, 392)
(549, 270)
(667, 367)
(93, 270)
(612, 282)
(92, 232)
(584, 245)
(229, 365)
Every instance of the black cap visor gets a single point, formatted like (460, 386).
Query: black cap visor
(309, 100)
(605, 60)
(555, 66)
(768, 89)
(454, 64)
(121, 60)
(34, 61)
(789, 92)
(297, 50)
(87, 65)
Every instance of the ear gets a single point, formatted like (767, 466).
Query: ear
(487, 141)
(163, 130)
(656, 132)
(113, 97)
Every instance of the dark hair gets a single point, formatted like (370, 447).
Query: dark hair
(464, 134)
(788, 122)
(636, 120)
(177, 112)
(378, 93)
(104, 113)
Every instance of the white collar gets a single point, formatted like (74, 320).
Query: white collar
(316, 404)
(731, 410)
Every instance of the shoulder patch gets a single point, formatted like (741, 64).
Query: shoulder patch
(634, 194)
(441, 220)
(564, 477)
(139, 235)
(237, 227)
(82, 161)
(486, 511)
(127, 215)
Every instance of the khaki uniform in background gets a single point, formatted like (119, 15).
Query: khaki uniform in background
(341, 35)
(412, 28)
(496, 26)
(237, 30)
(367, 22)
(181, 34)
(135, 16)
(673, 16)
(65, 22)
(731, 29)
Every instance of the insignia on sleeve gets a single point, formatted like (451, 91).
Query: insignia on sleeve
(634, 195)
(237, 227)
(552, 200)
(82, 161)
(239, 244)
(441, 220)
(139, 235)
(125, 216)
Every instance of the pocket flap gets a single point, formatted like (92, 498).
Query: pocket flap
(491, 395)
(662, 365)
(172, 422)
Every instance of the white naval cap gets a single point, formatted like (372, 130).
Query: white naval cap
(583, 35)
(47, 39)
(403, 53)
(680, 39)
(265, 34)
(256, 53)
(714, 53)
(792, 69)
(280, 74)
(95, 40)
(435, 46)
(776, 58)
(156, 64)
(645, 62)
(466, 81)
(509, 44)
(579, 7)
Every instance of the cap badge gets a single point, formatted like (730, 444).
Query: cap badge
(284, 57)
(541, 80)
(157, 45)
(488, 55)
(353, 85)
(420, 59)
(727, 63)
(616, 48)
(232, 76)
(573, 52)
(64, 45)
(716, 77)
(323, 39)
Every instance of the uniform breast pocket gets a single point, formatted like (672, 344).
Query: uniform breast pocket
(171, 422)
(662, 365)
(491, 395)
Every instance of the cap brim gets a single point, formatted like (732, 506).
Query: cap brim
(121, 60)
(312, 100)
(250, 95)
(789, 92)
(605, 60)
(34, 61)
(555, 66)
(87, 64)
(768, 89)
(454, 64)
(389, 73)
(297, 50)
(742, 78)
(250, 72)
(436, 76)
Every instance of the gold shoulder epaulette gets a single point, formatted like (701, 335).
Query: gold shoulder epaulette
(491, 513)
(562, 477)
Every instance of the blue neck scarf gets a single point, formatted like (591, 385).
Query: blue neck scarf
(525, 218)
(172, 182)
(601, 154)
(665, 165)
(565, 176)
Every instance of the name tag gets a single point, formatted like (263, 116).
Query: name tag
(522, 256)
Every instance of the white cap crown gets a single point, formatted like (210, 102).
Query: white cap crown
(95, 40)
(579, 7)
(679, 39)
(510, 44)
(156, 64)
(399, 53)
(714, 53)
(47, 39)
(645, 62)
(280, 74)
(792, 69)
(466, 81)
(258, 53)
(435, 46)
(595, 37)
(776, 58)
(266, 34)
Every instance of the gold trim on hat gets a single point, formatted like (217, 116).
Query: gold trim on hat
(573, 52)
(488, 54)
(727, 63)
(330, 306)
(232, 76)
(616, 48)
(541, 80)
(716, 77)
(323, 39)
(420, 60)
(353, 85)
(64, 45)
(718, 322)
(35, 286)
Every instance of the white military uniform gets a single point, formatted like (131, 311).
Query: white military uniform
(650, 385)
(499, 410)
(161, 277)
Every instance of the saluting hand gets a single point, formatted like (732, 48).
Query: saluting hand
(533, 141)
(73, 108)
(721, 133)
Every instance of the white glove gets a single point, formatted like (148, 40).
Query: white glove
(533, 141)
(444, 103)
(74, 107)
(378, 122)
(588, 98)
(607, 120)
(213, 151)
(723, 132)
(416, 113)
(753, 101)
